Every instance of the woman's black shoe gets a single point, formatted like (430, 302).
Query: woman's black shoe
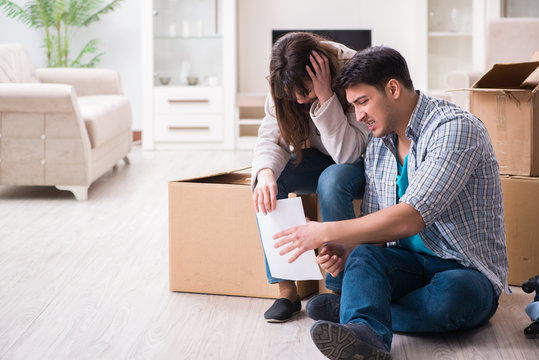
(282, 310)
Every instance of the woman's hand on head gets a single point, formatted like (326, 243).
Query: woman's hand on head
(321, 77)
(265, 192)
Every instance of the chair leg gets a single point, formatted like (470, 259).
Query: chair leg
(126, 160)
(80, 192)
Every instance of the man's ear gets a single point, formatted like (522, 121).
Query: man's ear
(393, 88)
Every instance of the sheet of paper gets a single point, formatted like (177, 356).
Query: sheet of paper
(288, 213)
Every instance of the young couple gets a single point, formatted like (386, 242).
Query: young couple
(429, 253)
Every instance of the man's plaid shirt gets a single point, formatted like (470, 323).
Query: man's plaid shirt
(454, 183)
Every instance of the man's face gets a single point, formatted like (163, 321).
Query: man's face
(373, 108)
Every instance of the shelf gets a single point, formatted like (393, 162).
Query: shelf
(251, 99)
(249, 121)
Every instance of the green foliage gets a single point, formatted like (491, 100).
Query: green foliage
(59, 20)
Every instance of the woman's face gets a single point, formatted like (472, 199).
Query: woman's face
(306, 99)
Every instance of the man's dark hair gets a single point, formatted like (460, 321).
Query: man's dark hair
(375, 66)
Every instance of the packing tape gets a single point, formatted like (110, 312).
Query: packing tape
(501, 121)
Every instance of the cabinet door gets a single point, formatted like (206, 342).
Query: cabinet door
(449, 40)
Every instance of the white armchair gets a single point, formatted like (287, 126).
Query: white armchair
(508, 40)
(58, 126)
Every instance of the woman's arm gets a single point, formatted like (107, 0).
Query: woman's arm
(269, 153)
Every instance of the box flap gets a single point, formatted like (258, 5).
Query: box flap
(533, 79)
(520, 177)
(507, 76)
(238, 176)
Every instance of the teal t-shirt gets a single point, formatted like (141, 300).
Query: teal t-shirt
(414, 242)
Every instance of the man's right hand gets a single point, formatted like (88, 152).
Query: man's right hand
(265, 193)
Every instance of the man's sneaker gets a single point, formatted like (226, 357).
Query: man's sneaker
(282, 310)
(349, 341)
(324, 307)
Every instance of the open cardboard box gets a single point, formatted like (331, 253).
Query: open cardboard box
(214, 243)
(505, 99)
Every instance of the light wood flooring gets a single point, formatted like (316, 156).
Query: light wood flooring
(89, 280)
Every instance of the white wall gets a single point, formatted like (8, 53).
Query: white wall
(394, 23)
(119, 35)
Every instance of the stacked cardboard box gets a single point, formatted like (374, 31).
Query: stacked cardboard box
(506, 100)
(214, 244)
(521, 198)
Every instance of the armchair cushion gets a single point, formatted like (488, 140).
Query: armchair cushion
(105, 116)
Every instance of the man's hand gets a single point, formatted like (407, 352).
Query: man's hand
(265, 193)
(332, 258)
(303, 238)
(321, 77)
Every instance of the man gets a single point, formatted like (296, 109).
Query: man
(433, 196)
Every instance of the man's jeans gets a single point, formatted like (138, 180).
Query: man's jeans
(394, 289)
(336, 186)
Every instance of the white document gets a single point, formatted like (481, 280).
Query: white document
(288, 213)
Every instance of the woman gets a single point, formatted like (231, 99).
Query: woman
(305, 113)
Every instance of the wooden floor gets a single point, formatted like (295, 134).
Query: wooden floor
(89, 280)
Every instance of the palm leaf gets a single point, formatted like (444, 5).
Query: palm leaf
(41, 12)
(89, 48)
(106, 9)
(93, 61)
(16, 12)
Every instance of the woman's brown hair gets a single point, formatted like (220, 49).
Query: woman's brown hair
(288, 76)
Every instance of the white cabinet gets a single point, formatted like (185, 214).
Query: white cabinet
(456, 35)
(189, 73)
(249, 117)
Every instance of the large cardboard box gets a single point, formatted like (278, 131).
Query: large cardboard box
(214, 244)
(520, 200)
(506, 100)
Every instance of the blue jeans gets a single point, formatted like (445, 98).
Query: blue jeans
(394, 289)
(336, 185)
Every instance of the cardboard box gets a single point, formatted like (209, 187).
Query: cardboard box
(214, 244)
(520, 200)
(506, 100)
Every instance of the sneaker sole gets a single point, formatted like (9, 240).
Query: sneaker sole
(336, 343)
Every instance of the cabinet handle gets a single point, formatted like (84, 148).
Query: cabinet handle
(196, 101)
(172, 128)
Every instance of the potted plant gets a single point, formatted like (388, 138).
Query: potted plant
(59, 20)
